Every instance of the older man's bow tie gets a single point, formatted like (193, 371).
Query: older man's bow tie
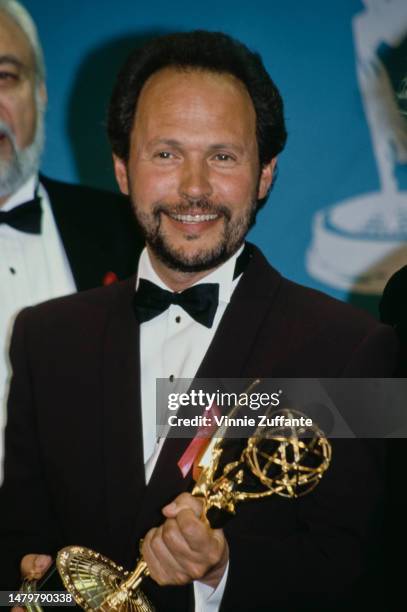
(199, 301)
(25, 217)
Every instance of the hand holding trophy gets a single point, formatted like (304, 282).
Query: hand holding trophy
(286, 460)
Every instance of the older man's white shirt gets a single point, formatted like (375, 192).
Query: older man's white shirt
(33, 268)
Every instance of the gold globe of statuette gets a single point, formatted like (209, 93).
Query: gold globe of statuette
(289, 461)
(286, 460)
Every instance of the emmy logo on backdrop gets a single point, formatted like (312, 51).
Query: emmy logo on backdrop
(357, 244)
(286, 460)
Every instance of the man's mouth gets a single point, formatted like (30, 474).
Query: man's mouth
(6, 132)
(197, 218)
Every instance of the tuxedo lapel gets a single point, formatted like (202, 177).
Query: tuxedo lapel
(122, 431)
(86, 255)
(98, 231)
(230, 354)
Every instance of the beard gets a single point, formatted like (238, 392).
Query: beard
(22, 163)
(233, 234)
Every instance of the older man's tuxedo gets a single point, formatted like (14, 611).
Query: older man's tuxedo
(98, 232)
(74, 468)
(94, 240)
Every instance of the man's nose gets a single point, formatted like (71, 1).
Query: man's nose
(195, 180)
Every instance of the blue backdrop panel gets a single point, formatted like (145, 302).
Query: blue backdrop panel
(337, 217)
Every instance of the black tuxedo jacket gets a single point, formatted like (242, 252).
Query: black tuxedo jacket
(74, 468)
(98, 231)
(393, 311)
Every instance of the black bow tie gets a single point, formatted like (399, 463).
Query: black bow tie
(25, 217)
(199, 301)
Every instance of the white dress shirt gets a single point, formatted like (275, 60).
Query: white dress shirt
(173, 345)
(33, 268)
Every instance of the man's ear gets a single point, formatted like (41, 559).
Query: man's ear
(120, 170)
(266, 178)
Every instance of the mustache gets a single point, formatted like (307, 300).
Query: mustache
(5, 130)
(204, 206)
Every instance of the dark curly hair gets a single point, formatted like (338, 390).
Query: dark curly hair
(212, 51)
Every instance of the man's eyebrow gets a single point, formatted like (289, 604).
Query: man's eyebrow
(11, 59)
(226, 145)
(171, 142)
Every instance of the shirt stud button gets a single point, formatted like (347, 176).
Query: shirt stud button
(178, 319)
(171, 378)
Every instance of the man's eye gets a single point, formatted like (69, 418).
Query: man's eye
(164, 155)
(224, 157)
(8, 76)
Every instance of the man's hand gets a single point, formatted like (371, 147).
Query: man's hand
(185, 548)
(33, 567)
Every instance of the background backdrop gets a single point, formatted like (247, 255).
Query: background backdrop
(337, 217)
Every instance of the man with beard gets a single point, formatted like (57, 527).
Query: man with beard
(54, 238)
(196, 124)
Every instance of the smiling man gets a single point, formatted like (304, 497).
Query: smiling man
(193, 172)
(196, 124)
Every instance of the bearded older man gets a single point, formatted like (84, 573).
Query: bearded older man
(54, 238)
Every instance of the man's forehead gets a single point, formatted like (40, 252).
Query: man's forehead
(15, 48)
(178, 76)
(188, 104)
(192, 87)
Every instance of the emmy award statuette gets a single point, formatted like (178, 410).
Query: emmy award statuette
(283, 460)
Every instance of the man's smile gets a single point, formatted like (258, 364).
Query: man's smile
(192, 223)
(191, 218)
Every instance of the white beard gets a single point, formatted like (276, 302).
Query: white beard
(23, 163)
